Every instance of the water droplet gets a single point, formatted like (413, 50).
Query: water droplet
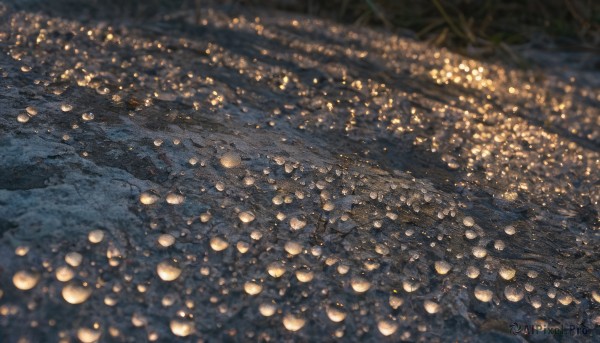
(472, 272)
(148, 198)
(387, 327)
(75, 293)
(73, 259)
(395, 301)
(304, 275)
(267, 309)
(431, 306)
(87, 116)
(87, 335)
(246, 217)
(483, 294)
(95, 236)
(596, 296)
(293, 248)
(410, 286)
(513, 294)
(242, 247)
(360, 285)
(182, 328)
(231, 160)
(297, 224)
(218, 243)
(21, 250)
(479, 252)
(22, 118)
(442, 267)
(510, 230)
(252, 288)
(293, 323)
(25, 280)
(507, 273)
(565, 299)
(276, 269)
(468, 221)
(166, 240)
(167, 271)
(175, 199)
(66, 107)
(64, 273)
(470, 234)
(336, 313)
(32, 111)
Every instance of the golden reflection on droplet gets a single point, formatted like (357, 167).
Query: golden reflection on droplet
(75, 293)
(88, 335)
(297, 224)
(410, 286)
(25, 280)
(442, 267)
(64, 273)
(148, 198)
(175, 199)
(252, 288)
(230, 160)
(267, 309)
(336, 313)
(293, 323)
(395, 302)
(166, 240)
(181, 328)
(483, 294)
(218, 243)
(22, 118)
(246, 216)
(304, 275)
(472, 272)
(73, 259)
(95, 236)
(468, 221)
(431, 306)
(513, 294)
(387, 327)
(276, 269)
(359, 284)
(507, 273)
(479, 252)
(293, 248)
(167, 271)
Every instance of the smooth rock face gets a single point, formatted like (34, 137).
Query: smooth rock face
(387, 188)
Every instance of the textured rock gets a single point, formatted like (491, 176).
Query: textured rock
(278, 168)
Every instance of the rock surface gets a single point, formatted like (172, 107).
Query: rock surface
(278, 178)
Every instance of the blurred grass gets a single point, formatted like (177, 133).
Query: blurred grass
(478, 28)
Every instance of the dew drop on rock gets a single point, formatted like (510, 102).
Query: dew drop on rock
(88, 335)
(431, 306)
(218, 243)
(483, 294)
(231, 160)
(95, 236)
(75, 293)
(442, 267)
(513, 294)
(387, 327)
(22, 118)
(167, 271)
(182, 328)
(293, 323)
(359, 284)
(252, 288)
(25, 280)
(246, 216)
